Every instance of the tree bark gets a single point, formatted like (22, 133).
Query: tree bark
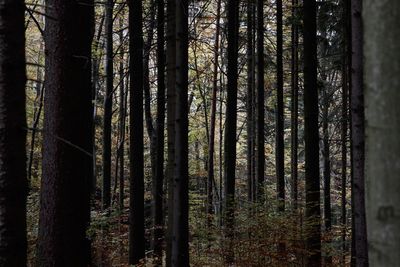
(159, 163)
(108, 99)
(231, 124)
(136, 202)
(13, 178)
(280, 149)
(171, 100)
(382, 95)
(311, 136)
(211, 148)
(180, 229)
(360, 253)
(67, 159)
(250, 90)
(345, 118)
(295, 104)
(260, 101)
(122, 116)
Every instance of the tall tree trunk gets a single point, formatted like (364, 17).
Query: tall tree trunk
(108, 99)
(95, 87)
(159, 163)
(260, 100)
(38, 106)
(180, 229)
(171, 100)
(327, 169)
(67, 159)
(280, 149)
(122, 116)
(136, 202)
(382, 97)
(13, 179)
(211, 147)
(250, 89)
(345, 118)
(295, 104)
(231, 124)
(360, 254)
(311, 136)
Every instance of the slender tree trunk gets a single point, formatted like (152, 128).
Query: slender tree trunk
(231, 124)
(95, 87)
(382, 97)
(171, 100)
(108, 99)
(250, 89)
(13, 179)
(136, 203)
(311, 136)
(180, 229)
(122, 115)
(327, 169)
(295, 104)
(360, 254)
(159, 168)
(260, 100)
(211, 147)
(345, 117)
(67, 159)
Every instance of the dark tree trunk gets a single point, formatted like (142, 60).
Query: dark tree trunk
(159, 163)
(95, 87)
(108, 99)
(171, 100)
(360, 254)
(295, 104)
(311, 136)
(345, 118)
(38, 106)
(250, 92)
(280, 149)
(211, 147)
(260, 100)
(136, 202)
(122, 116)
(67, 159)
(231, 124)
(327, 169)
(180, 229)
(13, 179)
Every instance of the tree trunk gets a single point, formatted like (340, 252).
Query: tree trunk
(231, 124)
(180, 229)
(171, 100)
(260, 101)
(67, 159)
(95, 87)
(108, 99)
(327, 169)
(345, 118)
(211, 148)
(159, 163)
(250, 90)
(382, 95)
(280, 149)
(122, 116)
(360, 255)
(136, 202)
(295, 104)
(311, 136)
(13, 179)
